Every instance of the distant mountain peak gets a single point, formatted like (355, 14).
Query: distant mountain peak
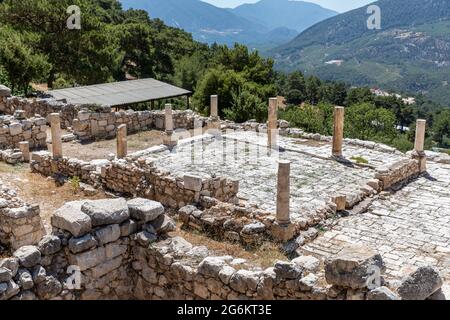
(250, 24)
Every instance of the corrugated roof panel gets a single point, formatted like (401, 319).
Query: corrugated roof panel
(119, 93)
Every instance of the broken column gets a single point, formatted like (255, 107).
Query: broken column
(419, 145)
(24, 147)
(55, 124)
(122, 141)
(338, 131)
(168, 138)
(168, 119)
(214, 122)
(283, 229)
(214, 107)
(272, 128)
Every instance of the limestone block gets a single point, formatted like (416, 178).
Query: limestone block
(49, 245)
(70, 217)
(108, 234)
(353, 266)
(145, 210)
(107, 211)
(81, 244)
(88, 259)
(15, 129)
(28, 256)
(420, 284)
(193, 183)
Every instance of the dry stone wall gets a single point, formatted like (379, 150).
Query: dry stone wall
(20, 223)
(41, 107)
(94, 125)
(119, 249)
(14, 130)
(137, 178)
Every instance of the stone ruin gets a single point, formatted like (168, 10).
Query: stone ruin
(125, 247)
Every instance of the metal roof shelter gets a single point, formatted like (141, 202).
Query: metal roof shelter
(120, 93)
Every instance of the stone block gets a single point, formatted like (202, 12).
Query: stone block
(70, 218)
(145, 210)
(106, 211)
(28, 256)
(193, 183)
(353, 266)
(108, 234)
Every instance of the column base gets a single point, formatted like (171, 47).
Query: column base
(283, 232)
(422, 159)
(169, 140)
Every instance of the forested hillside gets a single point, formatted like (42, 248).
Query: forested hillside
(411, 52)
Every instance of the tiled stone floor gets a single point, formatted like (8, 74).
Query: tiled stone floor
(409, 228)
(314, 177)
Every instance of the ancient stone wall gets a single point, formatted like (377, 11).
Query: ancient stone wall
(137, 178)
(89, 125)
(119, 249)
(399, 172)
(14, 130)
(41, 107)
(20, 223)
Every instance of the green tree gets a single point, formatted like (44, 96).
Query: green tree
(245, 106)
(86, 55)
(19, 62)
(295, 88)
(367, 122)
(359, 95)
(189, 70)
(312, 88)
(315, 119)
(441, 129)
(221, 82)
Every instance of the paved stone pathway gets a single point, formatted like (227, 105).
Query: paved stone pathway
(409, 228)
(313, 180)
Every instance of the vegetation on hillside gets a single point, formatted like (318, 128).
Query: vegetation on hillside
(408, 54)
(389, 120)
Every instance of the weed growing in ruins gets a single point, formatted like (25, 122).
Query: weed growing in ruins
(360, 160)
(5, 168)
(75, 184)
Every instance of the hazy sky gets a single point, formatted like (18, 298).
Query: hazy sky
(337, 5)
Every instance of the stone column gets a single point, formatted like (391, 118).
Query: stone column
(282, 229)
(214, 107)
(122, 149)
(24, 147)
(168, 119)
(283, 192)
(420, 135)
(338, 131)
(272, 131)
(419, 148)
(214, 121)
(55, 124)
(169, 138)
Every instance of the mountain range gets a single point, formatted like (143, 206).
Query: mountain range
(410, 53)
(265, 24)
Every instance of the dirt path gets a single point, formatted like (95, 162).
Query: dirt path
(101, 149)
